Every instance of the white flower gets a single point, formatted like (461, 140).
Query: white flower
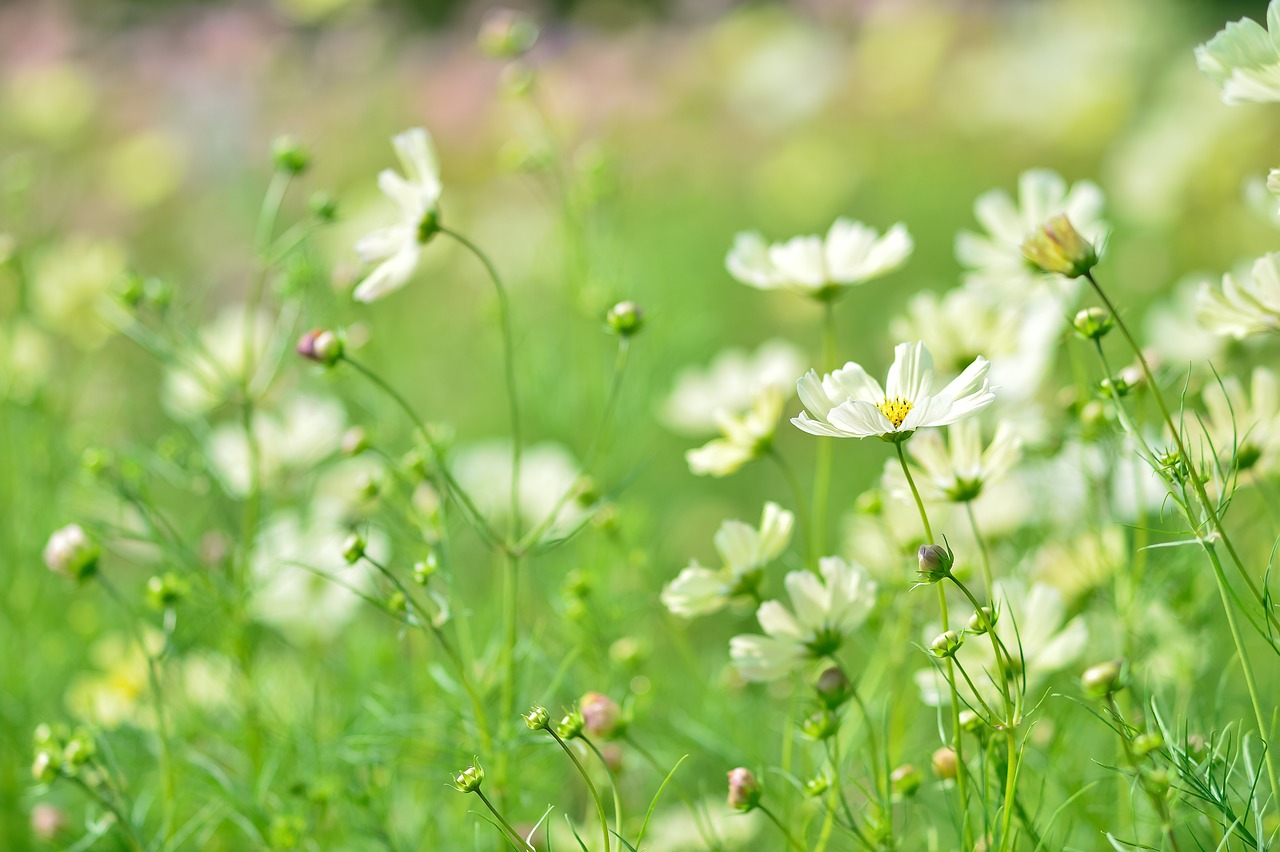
(824, 612)
(744, 551)
(1243, 59)
(1248, 303)
(850, 404)
(958, 469)
(995, 259)
(417, 194)
(547, 472)
(730, 383)
(1031, 626)
(207, 374)
(851, 253)
(308, 429)
(1245, 425)
(746, 436)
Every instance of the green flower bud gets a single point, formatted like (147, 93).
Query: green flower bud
(46, 767)
(398, 604)
(354, 441)
(821, 725)
(981, 621)
(744, 790)
(322, 346)
(353, 548)
(289, 156)
(1115, 387)
(1058, 248)
(469, 779)
(166, 590)
(1103, 679)
(816, 786)
(935, 562)
(80, 749)
(625, 319)
(426, 569)
(833, 687)
(570, 727)
(905, 781)
(1144, 744)
(945, 764)
(946, 644)
(1093, 323)
(323, 206)
(538, 719)
(970, 721)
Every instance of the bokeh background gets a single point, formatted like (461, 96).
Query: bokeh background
(136, 136)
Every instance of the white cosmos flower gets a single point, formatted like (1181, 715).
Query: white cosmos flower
(995, 259)
(417, 193)
(307, 429)
(744, 550)
(852, 253)
(730, 383)
(745, 436)
(210, 372)
(1247, 303)
(850, 404)
(1246, 425)
(1243, 59)
(957, 469)
(824, 612)
(547, 472)
(1033, 626)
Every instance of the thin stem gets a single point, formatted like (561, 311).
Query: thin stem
(708, 836)
(595, 794)
(791, 841)
(1157, 802)
(515, 837)
(797, 494)
(915, 492)
(613, 785)
(509, 366)
(507, 655)
(130, 833)
(982, 548)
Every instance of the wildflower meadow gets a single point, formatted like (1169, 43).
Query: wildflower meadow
(639, 426)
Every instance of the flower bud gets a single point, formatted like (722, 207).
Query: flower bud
(945, 764)
(70, 552)
(398, 604)
(538, 719)
(627, 652)
(323, 206)
(946, 644)
(821, 725)
(426, 569)
(289, 156)
(321, 345)
(905, 781)
(1093, 323)
(353, 548)
(1103, 679)
(744, 790)
(1115, 387)
(1144, 744)
(625, 319)
(1156, 781)
(570, 727)
(469, 779)
(1197, 747)
(354, 441)
(601, 715)
(981, 621)
(1058, 248)
(970, 721)
(833, 687)
(46, 767)
(816, 786)
(80, 749)
(166, 590)
(935, 562)
(506, 33)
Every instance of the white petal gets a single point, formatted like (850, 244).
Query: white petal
(390, 275)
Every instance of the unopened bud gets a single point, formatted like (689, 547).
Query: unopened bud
(1144, 744)
(744, 790)
(625, 319)
(833, 687)
(354, 441)
(353, 548)
(423, 571)
(1093, 323)
(601, 715)
(935, 562)
(80, 749)
(397, 604)
(469, 779)
(321, 345)
(821, 725)
(981, 621)
(1058, 248)
(538, 719)
(1103, 679)
(816, 786)
(323, 206)
(946, 644)
(970, 721)
(289, 156)
(70, 552)
(945, 764)
(905, 781)
(570, 727)
(46, 766)
(166, 590)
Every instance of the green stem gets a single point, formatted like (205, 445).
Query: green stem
(514, 836)
(791, 841)
(507, 656)
(130, 833)
(915, 492)
(802, 515)
(613, 784)
(699, 820)
(595, 794)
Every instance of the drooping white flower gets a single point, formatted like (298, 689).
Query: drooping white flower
(1247, 303)
(744, 551)
(957, 469)
(1243, 59)
(1033, 626)
(995, 260)
(824, 612)
(417, 193)
(1243, 425)
(730, 383)
(850, 404)
(746, 436)
(851, 253)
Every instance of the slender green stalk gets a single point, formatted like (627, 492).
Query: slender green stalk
(791, 841)
(507, 656)
(1158, 803)
(514, 836)
(982, 548)
(595, 794)
(130, 833)
(802, 515)
(613, 785)
(915, 492)
(707, 834)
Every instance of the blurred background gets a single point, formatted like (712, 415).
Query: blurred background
(616, 160)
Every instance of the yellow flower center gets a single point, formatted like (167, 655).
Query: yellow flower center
(896, 409)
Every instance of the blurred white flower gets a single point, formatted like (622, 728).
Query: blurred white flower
(730, 383)
(1243, 59)
(958, 469)
(744, 551)
(1243, 425)
(824, 612)
(1247, 303)
(851, 254)
(307, 430)
(212, 370)
(994, 259)
(547, 472)
(303, 585)
(850, 404)
(1081, 563)
(26, 360)
(115, 692)
(1172, 331)
(417, 193)
(746, 436)
(70, 280)
(1033, 627)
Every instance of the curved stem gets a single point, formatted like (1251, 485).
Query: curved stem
(130, 833)
(506, 826)
(982, 548)
(791, 841)
(613, 785)
(915, 492)
(595, 794)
